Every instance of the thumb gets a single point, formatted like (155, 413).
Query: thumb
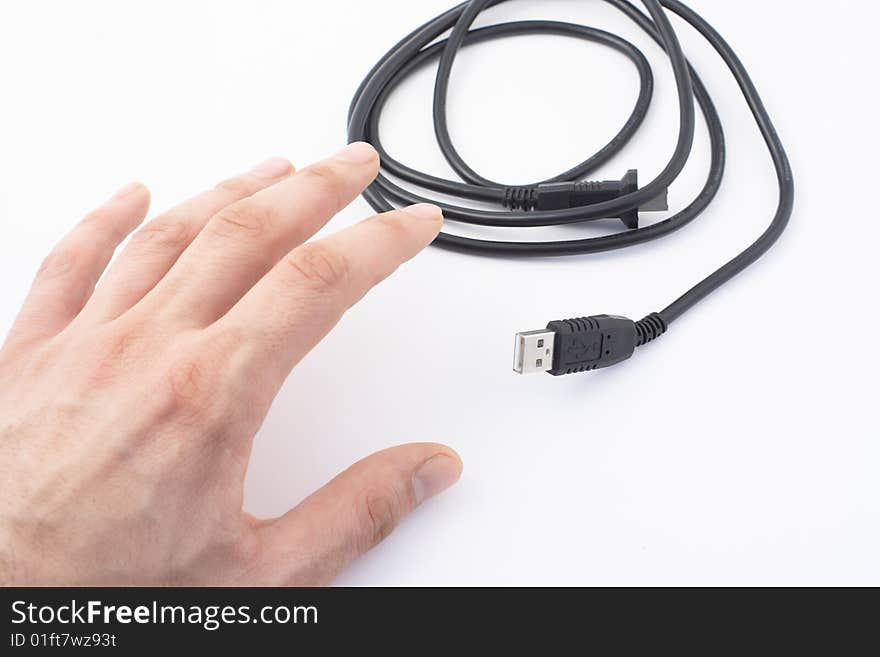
(312, 543)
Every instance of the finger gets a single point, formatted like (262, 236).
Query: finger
(244, 240)
(154, 249)
(315, 541)
(68, 275)
(304, 296)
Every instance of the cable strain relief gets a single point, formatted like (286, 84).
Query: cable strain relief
(650, 328)
(521, 198)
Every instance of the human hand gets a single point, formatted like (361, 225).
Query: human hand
(129, 409)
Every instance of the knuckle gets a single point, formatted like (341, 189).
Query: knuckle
(116, 352)
(380, 511)
(326, 181)
(242, 220)
(237, 187)
(188, 386)
(94, 218)
(61, 261)
(319, 266)
(103, 223)
(391, 224)
(395, 232)
(167, 234)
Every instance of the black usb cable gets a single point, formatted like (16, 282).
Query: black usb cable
(578, 345)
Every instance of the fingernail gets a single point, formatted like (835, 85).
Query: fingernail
(357, 153)
(436, 475)
(274, 167)
(425, 211)
(125, 191)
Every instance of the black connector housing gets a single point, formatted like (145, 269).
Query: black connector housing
(572, 346)
(567, 195)
(591, 343)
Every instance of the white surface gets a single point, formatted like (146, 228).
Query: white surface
(742, 449)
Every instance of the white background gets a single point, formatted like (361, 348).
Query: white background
(741, 449)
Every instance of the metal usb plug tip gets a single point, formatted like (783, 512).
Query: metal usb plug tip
(533, 352)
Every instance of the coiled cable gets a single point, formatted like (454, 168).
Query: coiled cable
(421, 47)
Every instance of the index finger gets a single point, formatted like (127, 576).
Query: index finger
(297, 303)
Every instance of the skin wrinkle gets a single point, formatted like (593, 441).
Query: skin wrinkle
(163, 235)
